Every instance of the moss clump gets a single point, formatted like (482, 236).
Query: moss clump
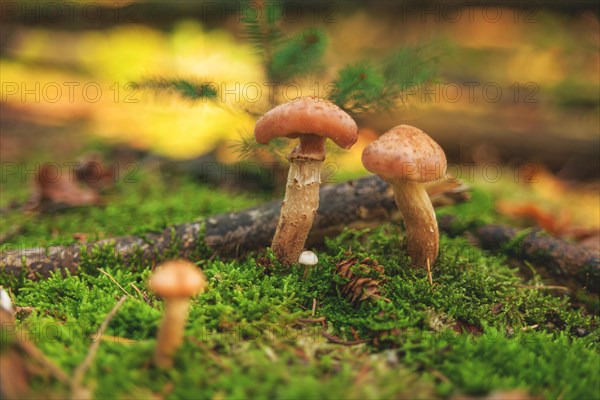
(248, 336)
(479, 328)
(147, 204)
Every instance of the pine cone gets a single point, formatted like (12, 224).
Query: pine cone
(362, 279)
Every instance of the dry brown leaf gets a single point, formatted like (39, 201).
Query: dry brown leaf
(77, 187)
(94, 173)
(80, 237)
(555, 223)
(60, 189)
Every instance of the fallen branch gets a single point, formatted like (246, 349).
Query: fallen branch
(359, 203)
(561, 259)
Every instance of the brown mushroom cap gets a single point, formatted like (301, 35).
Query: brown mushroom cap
(307, 115)
(178, 278)
(405, 153)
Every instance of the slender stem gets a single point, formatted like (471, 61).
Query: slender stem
(419, 219)
(298, 209)
(170, 333)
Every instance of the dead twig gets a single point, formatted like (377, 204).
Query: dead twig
(311, 320)
(429, 275)
(544, 287)
(337, 340)
(142, 295)
(115, 282)
(528, 328)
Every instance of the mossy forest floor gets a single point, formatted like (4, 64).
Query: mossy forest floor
(480, 328)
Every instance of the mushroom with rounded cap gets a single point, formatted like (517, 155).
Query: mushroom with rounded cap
(311, 120)
(176, 281)
(308, 258)
(406, 157)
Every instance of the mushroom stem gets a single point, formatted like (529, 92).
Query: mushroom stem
(419, 219)
(298, 210)
(170, 333)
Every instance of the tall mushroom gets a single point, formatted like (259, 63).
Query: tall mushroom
(311, 120)
(175, 281)
(406, 157)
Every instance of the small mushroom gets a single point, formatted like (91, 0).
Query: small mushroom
(311, 120)
(5, 302)
(7, 314)
(175, 281)
(307, 259)
(406, 157)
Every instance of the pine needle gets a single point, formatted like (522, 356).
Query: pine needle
(189, 89)
(115, 281)
(262, 29)
(142, 295)
(299, 55)
(366, 86)
(248, 148)
(429, 275)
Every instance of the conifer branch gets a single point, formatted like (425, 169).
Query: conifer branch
(410, 66)
(358, 88)
(262, 29)
(299, 55)
(365, 87)
(189, 89)
(248, 148)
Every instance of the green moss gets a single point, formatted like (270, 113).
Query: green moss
(147, 204)
(479, 210)
(479, 328)
(551, 365)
